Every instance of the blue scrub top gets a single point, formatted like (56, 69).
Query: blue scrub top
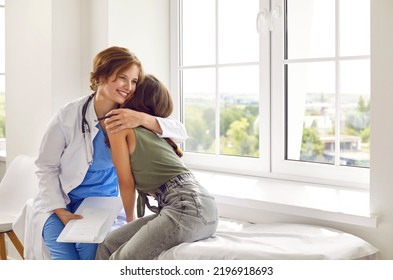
(101, 177)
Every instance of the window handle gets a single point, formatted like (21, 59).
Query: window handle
(262, 18)
(265, 17)
(274, 14)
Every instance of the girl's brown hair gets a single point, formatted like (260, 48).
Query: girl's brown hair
(113, 60)
(153, 98)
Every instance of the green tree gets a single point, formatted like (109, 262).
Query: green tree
(312, 146)
(237, 141)
(198, 126)
(238, 129)
(365, 135)
(2, 126)
(359, 118)
(229, 114)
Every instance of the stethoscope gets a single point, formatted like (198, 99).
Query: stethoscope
(87, 132)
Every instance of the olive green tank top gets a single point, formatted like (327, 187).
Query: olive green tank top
(153, 161)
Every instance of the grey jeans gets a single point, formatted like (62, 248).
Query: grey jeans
(187, 213)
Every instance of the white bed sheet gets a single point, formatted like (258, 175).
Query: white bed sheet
(237, 240)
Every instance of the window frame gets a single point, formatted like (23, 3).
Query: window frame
(355, 177)
(273, 109)
(221, 163)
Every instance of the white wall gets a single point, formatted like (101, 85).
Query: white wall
(29, 73)
(49, 61)
(94, 35)
(143, 27)
(381, 179)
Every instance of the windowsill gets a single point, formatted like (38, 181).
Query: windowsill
(329, 203)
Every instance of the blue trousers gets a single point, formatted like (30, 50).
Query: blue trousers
(65, 251)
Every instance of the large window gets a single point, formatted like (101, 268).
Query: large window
(2, 76)
(275, 88)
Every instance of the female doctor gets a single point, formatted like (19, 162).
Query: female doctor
(74, 161)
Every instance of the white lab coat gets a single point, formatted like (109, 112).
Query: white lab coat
(62, 165)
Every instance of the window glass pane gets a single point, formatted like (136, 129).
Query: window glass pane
(2, 43)
(198, 32)
(311, 28)
(239, 110)
(199, 98)
(355, 113)
(311, 111)
(237, 36)
(354, 27)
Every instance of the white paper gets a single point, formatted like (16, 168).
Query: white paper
(98, 213)
(89, 228)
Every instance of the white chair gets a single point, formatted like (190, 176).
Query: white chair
(18, 185)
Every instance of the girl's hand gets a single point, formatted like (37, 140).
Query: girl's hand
(65, 216)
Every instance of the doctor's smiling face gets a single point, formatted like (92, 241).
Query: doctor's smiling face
(120, 86)
(116, 72)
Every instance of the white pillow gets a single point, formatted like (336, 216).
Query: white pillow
(237, 240)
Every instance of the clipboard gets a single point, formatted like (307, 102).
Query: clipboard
(99, 214)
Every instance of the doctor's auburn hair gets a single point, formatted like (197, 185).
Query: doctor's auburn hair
(152, 97)
(113, 60)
